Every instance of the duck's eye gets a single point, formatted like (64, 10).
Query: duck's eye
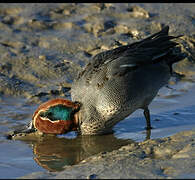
(47, 114)
(50, 115)
(42, 114)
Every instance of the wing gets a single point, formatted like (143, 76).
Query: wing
(150, 50)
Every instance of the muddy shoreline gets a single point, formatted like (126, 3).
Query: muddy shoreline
(43, 46)
(163, 158)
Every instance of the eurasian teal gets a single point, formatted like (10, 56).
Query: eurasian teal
(114, 84)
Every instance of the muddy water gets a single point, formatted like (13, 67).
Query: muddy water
(19, 158)
(39, 154)
(43, 46)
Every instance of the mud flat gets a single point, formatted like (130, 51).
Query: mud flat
(43, 46)
(170, 157)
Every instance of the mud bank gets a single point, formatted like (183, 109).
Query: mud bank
(43, 46)
(170, 157)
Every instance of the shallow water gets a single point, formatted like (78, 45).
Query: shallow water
(168, 116)
(172, 112)
(42, 47)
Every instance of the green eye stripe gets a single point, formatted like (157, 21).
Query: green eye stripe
(58, 112)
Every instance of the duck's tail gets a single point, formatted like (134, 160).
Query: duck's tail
(166, 49)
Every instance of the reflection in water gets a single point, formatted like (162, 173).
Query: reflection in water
(53, 153)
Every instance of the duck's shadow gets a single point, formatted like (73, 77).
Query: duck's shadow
(54, 153)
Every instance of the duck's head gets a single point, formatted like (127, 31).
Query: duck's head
(56, 116)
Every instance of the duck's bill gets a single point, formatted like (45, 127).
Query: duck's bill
(22, 132)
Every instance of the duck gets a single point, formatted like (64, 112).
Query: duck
(113, 85)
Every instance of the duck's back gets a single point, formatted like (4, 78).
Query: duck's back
(117, 82)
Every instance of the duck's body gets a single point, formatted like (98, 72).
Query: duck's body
(113, 85)
(103, 107)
